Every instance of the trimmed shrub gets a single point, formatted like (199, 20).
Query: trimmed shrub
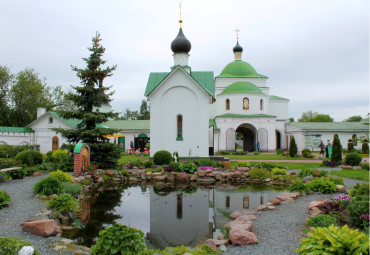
(280, 152)
(353, 159)
(337, 150)
(365, 148)
(365, 166)
(72, 188)
(334, 240)
(350, 147)
(265, 165)
(119, 239)
(279, 171)
(256, 153)
(162, 158)
(322, 221)
(298, 186)
(4, 199)
(306, 153)
(292, 148)
(105, 155)
(206, 162)
(148, 164)
(62, 176)
(312, 172)
(64, 203)
(359, 191)
(188, 167)
(323, 185)
(29, 158)
(60, 155)
(260, 173)
(17, 174)
(243, 164)
(12, 245)
(48, 186)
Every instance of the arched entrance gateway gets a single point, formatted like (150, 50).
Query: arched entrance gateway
(278, 139)
(249, 136)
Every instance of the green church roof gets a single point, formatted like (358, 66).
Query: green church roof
(16, 129)
(128, 124)
(240, 68)
(272, 97)
(242, 87)
(72, 122)
(330, 126)
(204, 79)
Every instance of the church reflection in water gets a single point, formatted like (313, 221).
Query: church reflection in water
(171, 216)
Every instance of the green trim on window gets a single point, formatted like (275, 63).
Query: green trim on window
(179, 139)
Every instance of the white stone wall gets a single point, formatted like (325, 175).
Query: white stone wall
(279, 108)
(11, 138)
(179, 94)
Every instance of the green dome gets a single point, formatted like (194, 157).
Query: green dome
(240, 68)
(242, 87)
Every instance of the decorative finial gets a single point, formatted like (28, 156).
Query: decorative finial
(180, 21)
(237, 33)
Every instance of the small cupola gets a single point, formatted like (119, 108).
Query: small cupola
(238, 50)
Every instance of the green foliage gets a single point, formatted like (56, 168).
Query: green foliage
(48, 186)
(17, 174)
(62, 176)
(188, 167)
(6, 163)
(336, 180)
(260, 173)
(313, 172)
(86, 97)
(4, 199)
(148, 164)
(147, 145)
(162, 158)
(176, 165)
(119, 239)
(365, 148)
(279, 171)
(356, 118)
(12, 245)
(365, 166)
(310, 116)
(357, 208)
(322, 221)
(359, 191)
(256, 153)
(353, 159)
(71, 188)
(334, 240)
(323, 185)
(10, 151)
(280, 152)
(298, 186)
(336, 154)
(180, 250)
(292, 148)
(243, 164)
(64, 203)
(60, 155)
(265, 165)
(306, 153)
(29, 158)
(350, 147)
(206, 162)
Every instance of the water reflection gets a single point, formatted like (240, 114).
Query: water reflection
(169, 216)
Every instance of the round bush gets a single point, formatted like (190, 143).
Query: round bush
(323, 185)
(298, 186)
(60, 155)
(64, 203)
(365, 148)
(29, 158)
(48, 186)
(12, 245)
(353, 159)
(162, 158)
(322, 221)
(260, 173)
(62, 176)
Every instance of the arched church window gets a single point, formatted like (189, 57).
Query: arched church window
(227, 104)
(245, 103)
(179, 128)
(51, 120)
(354, 139)
(261, 104)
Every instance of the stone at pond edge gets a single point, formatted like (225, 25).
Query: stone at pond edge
(246, 218)
(222, 248)
(239, 213)
(109, 173)
(275, 201)
(43, 228)
(37, 173)
(271, 207)
(341, 188)
(211, 244)
(248, 226)
(261, 207)
(182, 177)
(242, 237)
(316, 204)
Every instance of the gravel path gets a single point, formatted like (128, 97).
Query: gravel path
(278, 231)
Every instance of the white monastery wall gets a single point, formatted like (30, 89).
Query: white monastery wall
(11, 138)
(279, 108)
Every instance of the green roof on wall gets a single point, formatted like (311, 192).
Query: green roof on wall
(242, 87)
(16, 129)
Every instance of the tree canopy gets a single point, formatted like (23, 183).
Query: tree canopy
(144, 113)
(356, 118)
(311, 116)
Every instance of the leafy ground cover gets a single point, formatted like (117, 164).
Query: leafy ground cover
(264, 156)
(352, 174)
(125, 159)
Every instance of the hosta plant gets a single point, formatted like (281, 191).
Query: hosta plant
(4, 199)
(119, 239)
(323, 185)
(64, 203)
(334, 240)
(298, 186)
(12, 245)
(279, 171)
(322, 221)
(48, 186)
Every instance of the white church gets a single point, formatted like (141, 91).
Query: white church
(197, 114)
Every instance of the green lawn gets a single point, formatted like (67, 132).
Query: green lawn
(263, 156)
(298, 165)
(131, 158)
(352, 174)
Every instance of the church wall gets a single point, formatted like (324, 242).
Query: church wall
(11, 138)
(280, 126)
(179, 94)
(279, 108)
(222, 83)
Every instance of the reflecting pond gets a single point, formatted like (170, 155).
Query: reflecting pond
(168, 216)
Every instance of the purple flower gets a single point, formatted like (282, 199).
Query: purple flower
(206, 167)
(365, 216)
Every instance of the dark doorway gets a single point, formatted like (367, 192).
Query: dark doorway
(249, 136)
(278, 139)
(141, 141)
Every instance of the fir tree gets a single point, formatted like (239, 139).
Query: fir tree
(88, 97)
(365, 147)
(336, 154)
(292, 148)
(350, 147)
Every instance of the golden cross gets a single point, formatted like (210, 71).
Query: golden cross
(237, 33)
(180, 15)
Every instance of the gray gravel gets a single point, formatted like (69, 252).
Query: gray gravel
(278, 231)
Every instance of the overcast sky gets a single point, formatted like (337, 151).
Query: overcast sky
(315, 52)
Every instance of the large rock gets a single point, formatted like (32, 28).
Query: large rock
(261, 207)
(37, 173)
(109, 173)
(211, 243)
(242, 169)
(341, 188)
(316, 203)
(26, 250)
(248, 226)
(43, 228)
(217, 242)
(159, 178)
(242, 237)
(275, 201)
(239, 213)
(246, 218)
(182, 177)
(285, 195)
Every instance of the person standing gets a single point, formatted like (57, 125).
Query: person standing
(327, 149)
(258, 146)
(322, 148)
